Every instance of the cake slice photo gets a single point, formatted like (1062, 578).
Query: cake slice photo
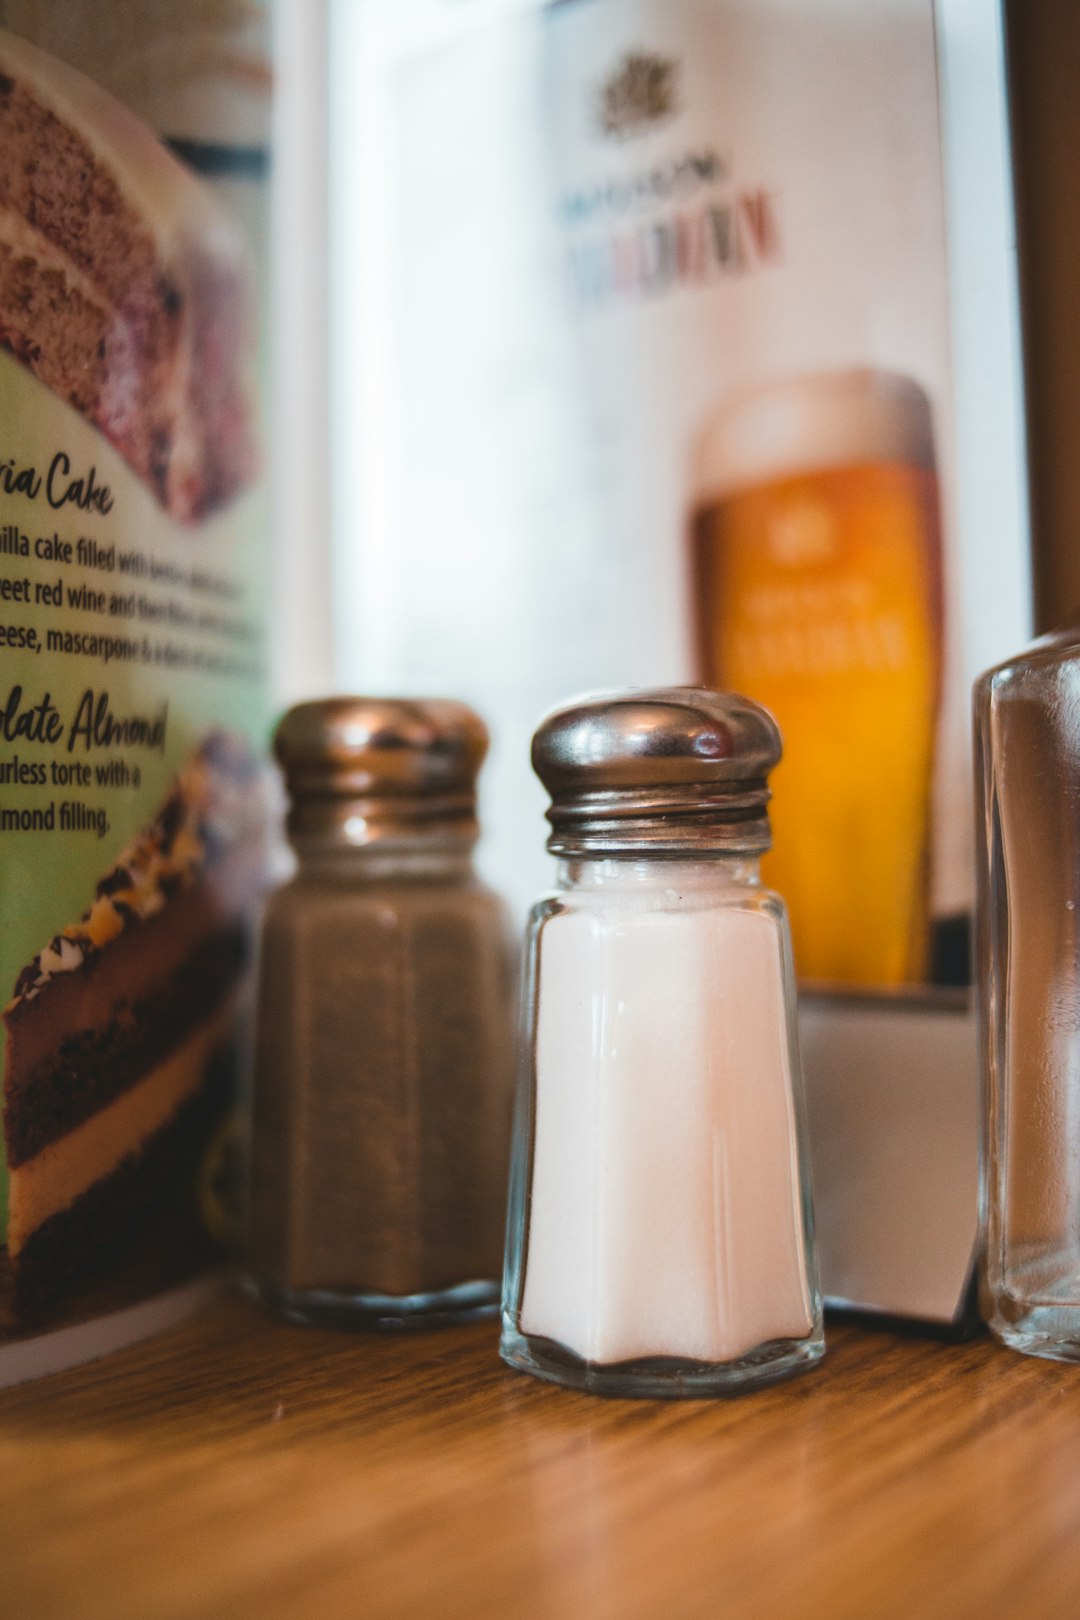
(119, 1033)
(124, 288)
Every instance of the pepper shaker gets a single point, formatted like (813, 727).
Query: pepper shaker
(383, 1062)
(660, 1237)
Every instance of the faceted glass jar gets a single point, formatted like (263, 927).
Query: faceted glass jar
(382, 1102)
(660, 1237)
(1027, 724)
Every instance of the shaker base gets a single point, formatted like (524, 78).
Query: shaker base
(659, 1377)
(1049, 1331)
(364, 1310)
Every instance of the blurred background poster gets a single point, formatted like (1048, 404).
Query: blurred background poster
(646, 371)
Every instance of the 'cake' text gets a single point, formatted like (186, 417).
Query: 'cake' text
(59, 485)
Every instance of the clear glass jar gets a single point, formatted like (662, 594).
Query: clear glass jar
(1027, 724)
(383, 1055)
(660, 1234)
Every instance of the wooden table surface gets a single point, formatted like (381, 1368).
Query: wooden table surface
(241, 1469)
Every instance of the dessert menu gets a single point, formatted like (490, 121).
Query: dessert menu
(132, 642)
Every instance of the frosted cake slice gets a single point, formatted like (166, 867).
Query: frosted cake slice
(123, 287)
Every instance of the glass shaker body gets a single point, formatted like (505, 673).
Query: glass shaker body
(660, 1237)
(380, 1118)
(1027, 724)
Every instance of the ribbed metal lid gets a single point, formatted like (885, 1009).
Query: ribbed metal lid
(388, 764)
(665, 770)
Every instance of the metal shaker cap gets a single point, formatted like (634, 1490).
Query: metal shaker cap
(678, 769)
(380, 769)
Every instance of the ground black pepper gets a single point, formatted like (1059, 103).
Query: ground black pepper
(381, 1111)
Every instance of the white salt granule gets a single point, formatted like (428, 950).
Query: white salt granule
(665, 1217)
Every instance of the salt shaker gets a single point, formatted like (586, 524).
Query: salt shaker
(660, 1236)
(383, 1064)
(1027, 735)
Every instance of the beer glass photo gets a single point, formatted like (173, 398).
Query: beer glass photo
(816, 590)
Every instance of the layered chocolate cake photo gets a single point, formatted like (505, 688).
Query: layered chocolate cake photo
(123, 285)
(118, 1033)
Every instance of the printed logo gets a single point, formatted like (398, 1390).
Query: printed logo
(643, 91)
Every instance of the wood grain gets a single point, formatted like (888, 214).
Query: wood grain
(246, 1470)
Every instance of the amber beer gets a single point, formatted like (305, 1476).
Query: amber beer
(816, 585)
